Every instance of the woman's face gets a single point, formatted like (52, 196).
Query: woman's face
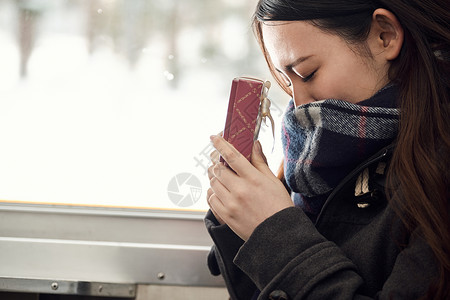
(319, 65)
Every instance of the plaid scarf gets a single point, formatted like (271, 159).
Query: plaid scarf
(324, 141)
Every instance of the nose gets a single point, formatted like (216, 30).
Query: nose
(301, 94)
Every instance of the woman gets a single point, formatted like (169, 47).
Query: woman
(366, 146)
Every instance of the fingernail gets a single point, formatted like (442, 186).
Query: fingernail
(212, 137)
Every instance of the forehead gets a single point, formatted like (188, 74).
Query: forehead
(286, 41)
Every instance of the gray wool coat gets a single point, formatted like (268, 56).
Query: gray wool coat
(357, 249)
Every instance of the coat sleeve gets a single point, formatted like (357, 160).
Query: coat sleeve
(286, 255)
(220, 259)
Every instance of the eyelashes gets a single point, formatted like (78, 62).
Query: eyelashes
(309, 77)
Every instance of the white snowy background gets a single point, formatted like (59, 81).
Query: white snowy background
(87, 129)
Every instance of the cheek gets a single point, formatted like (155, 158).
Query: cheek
(327, 87)
(344, 76)
(342, 84)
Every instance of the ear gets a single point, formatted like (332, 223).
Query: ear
(386, 34)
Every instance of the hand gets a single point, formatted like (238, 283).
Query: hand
(215, 159)
(245, 198)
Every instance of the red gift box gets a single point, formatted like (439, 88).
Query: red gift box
(243, 108)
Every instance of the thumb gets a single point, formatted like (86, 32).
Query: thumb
(259, 160)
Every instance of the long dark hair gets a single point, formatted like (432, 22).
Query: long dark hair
(419, 170)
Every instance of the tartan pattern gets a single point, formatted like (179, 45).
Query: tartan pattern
(324, 140)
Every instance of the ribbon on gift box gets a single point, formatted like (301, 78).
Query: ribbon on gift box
(248, 107)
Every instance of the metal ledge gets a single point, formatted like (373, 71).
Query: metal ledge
(102, 211)
(67, 287)
(94, 245)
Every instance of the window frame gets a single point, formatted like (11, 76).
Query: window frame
(110, 245)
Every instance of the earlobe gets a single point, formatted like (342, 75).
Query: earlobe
(388, 31)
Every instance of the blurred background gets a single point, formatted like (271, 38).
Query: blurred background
(105, 102)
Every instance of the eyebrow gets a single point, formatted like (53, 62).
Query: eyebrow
(297, 62)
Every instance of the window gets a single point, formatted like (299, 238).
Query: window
(106, 108)
(110, 102)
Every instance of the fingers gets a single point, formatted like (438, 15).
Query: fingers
(257, 153)
(218, 192)
(213, 201)
(219, 189)
(259, 160)
(209, 194)
(222, 173)
(234, 159)
(218, 173)
(210, 172)
(215, 157)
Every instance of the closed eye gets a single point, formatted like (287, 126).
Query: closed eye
(309, 77)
